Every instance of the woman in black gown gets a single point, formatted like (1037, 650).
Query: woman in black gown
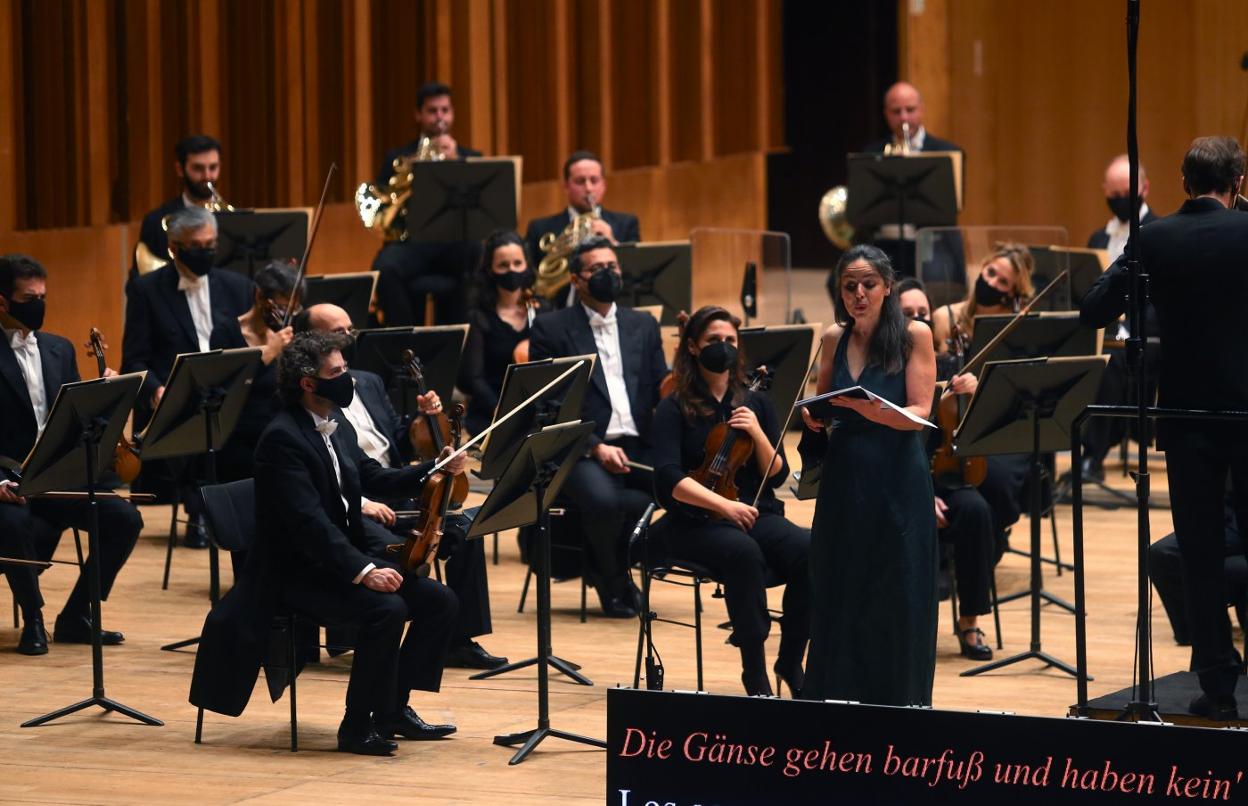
(740, 542)
(873, 557)
(500, 321)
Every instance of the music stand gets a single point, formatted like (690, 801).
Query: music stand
(461, 201)
(352, 291)
(916, 190)
(439, 349)
(1029, 406)
(1084, 266)
(247, 239)
(203, 398)
(75, 448)
(560, 404)
(522, 496)
(657, 274)
(786, 351)
(1056, 335)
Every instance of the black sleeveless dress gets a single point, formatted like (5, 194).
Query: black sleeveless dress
(873, 557)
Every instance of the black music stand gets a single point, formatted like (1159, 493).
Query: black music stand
(1029, 406)
(75, 448)
(786, 351)
(203, 398)
(560, 404)
(657, 274)
(916, 190)
(461, 201)
(1055, 335)
(353, 292)
(246, 240)
(522, 496)
(439, 349)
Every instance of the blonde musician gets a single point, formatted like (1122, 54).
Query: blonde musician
(1002, 287)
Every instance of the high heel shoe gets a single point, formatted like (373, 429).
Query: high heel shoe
(793, 678)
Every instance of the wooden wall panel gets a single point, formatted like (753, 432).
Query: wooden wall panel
(1036, 94)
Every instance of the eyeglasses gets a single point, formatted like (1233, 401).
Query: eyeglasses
(597, 267)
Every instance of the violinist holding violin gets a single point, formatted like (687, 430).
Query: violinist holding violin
(741, 540)
(33, 365)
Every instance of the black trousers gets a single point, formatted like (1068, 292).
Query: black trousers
(973, 534)
(383, 671)
(743, 562)
(1165, 569)
(1197, 463)
(409, 272)
(609, 504)
(32, 532)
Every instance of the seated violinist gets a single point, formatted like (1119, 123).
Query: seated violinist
(316, 553)
(739, 540)
(963, 516)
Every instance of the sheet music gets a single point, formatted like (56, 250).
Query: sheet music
(863, 394)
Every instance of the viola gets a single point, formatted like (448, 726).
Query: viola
(727, 451)
(126, 462)
(436, 499)
(430, 433)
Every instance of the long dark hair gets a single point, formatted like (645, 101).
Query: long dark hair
(484, 289)
(692, 394)
(891, 343)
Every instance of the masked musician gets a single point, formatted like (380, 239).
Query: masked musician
(34, 365)
(737, 539)
(198, 162)
(584, 185)
(317, 553)
(608, 489)
(963, 516)
(383, 436)
(1203, 366)
(500, 323)
(410, 271)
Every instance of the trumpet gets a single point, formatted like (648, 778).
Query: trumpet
(552, 270)
(384, 210)
(147, 261)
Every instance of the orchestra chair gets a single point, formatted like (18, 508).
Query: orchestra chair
(17, 614)
(951, 571)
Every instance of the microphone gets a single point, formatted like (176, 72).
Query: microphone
(642, 522)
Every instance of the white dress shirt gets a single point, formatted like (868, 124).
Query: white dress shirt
(370, 439)
(26, 348)
(606, 332)
(198, 298)
(326, 427)
(1118, 232)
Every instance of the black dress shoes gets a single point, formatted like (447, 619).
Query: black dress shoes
(410, 726)
(34, 640)
(471, 655)
(1217, 709)
(364, 741)
(972, 644)
(77, 630)
(617, 607)
(195, 537)
(1093, 469)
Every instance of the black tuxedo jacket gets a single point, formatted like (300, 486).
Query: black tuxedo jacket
(301, 529)
(371, 390)
(567, 332)
(153, 234)
(159, 324)
(18, 428)
(624, 225)
(387, 164)
(1100, 238)
(1195, 259)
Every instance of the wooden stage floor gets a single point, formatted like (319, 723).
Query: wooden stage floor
(96, 758)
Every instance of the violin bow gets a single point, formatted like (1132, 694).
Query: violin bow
(969, 366)
(775, 449)
(307, 250)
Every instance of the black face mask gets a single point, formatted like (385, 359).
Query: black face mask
(719, 356)
(605, 285)
(513, 280)
(197, 258)
(1120, 206)
(29, 313)
(340, 391)
(986, 295)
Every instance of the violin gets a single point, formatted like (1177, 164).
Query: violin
(126, 462)
(430, 433)
(946, 466)
(727, 451)
(436, 499)
(520, 355)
